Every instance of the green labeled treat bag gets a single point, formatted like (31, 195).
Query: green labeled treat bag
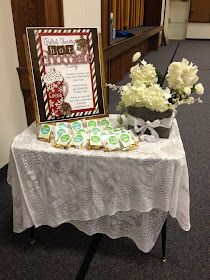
(81, 131)
(117, 131)
(45, 132)
(59, 130)
(126, 139)
(104, 137)
(95, 130)
(107, 129)
(63, 141)
(91, 124)
(133, 136)
(76, 126)
(62, 124)
(113, 143)
(104, 122)
(95, 141)
(77, 140)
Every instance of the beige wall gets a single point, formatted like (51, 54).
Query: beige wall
(82, 13)
(12, 111)
(198, 30)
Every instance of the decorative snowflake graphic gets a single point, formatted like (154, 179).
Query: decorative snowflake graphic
(54, 113)
(51, 103)
(82, 44)
(60, 90)
(58, 103)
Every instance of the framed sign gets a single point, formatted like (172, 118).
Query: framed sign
(67, 73)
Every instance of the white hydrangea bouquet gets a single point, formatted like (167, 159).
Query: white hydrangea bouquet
(145, 91)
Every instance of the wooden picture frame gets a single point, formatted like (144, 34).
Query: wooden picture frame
(66, 73)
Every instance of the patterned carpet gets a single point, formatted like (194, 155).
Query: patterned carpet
(59, 253)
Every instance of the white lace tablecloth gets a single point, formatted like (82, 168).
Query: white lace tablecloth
(115, 193)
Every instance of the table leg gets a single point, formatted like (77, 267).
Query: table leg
(32, 235)
(163, 237)
(89, 256)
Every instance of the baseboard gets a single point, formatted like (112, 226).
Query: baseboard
(3, 172)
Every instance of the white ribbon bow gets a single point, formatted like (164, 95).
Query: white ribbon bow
(140, 126)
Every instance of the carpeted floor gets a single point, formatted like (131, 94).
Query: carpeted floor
(58, 253)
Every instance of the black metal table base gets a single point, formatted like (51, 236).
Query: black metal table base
(93, 247)
(32, 235)
(89, 256)
(163, 239)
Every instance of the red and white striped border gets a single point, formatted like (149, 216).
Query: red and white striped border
(92, 66)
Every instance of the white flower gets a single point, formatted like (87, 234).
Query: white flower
(182, 75)
(190, 100)
(136, 56)
(199, 88)
(185, 61)
(125, 88)
(155, 99)
(187, 90)
(143, 90)
(167, 93)
(139, 95)
(144, 73)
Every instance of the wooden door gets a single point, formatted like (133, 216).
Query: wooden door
(32, 13)
(199, 11)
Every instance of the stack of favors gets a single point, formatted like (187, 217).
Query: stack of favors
(94, 134)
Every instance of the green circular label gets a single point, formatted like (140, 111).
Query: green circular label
(81, 131)
(61, 125)
(95, 130)
(113, 140)
(65, 138)
(124, 137)
(60, 131)
(45, 129)
(105, 122)
(95, 139)
(76, 125)
(78, 138)
(92, 124)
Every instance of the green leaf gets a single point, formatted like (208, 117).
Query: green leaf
(193, 88)
(160, 77)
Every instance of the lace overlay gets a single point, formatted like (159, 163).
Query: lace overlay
(116, 193)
